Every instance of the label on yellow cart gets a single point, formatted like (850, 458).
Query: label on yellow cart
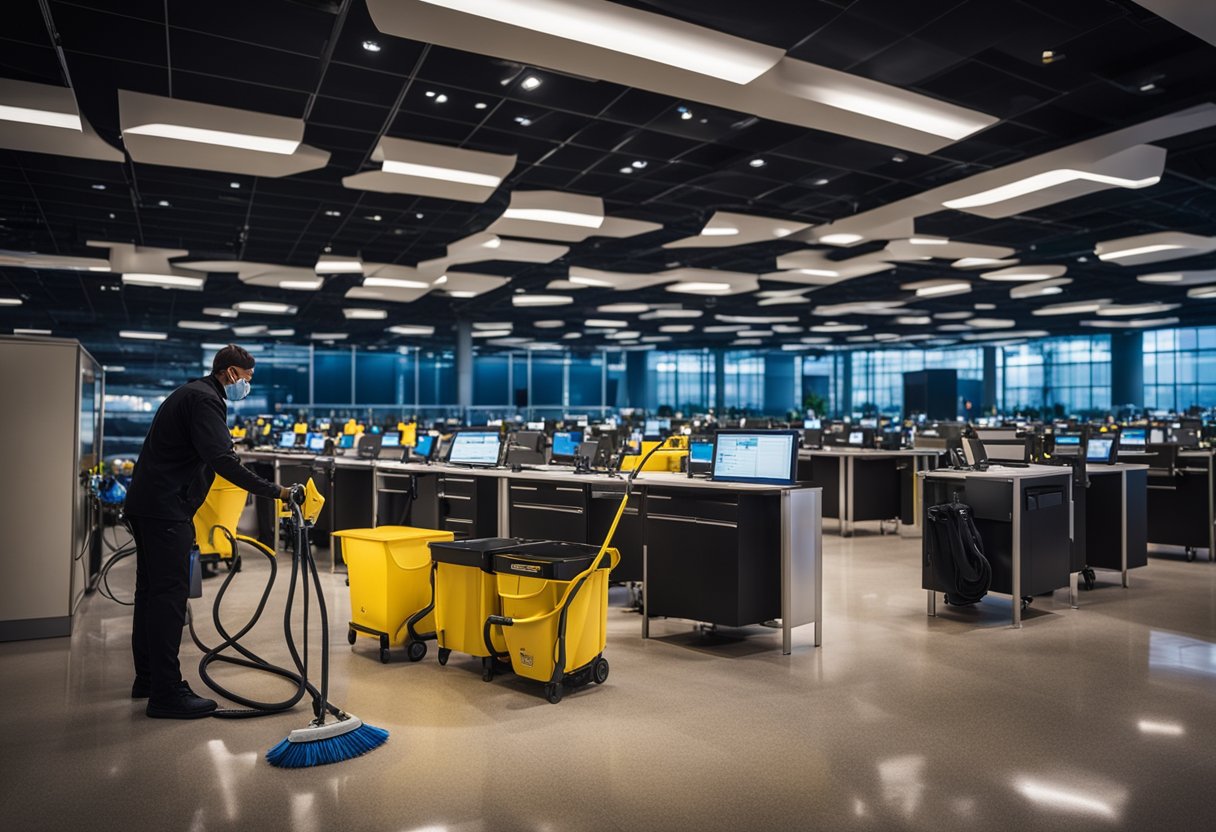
(525, 659)
(530, 568)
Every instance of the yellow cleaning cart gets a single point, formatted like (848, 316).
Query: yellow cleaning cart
(466, 594)
(555, 612)
(390, 584)
(221, 509)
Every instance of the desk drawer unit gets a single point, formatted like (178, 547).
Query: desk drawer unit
(550, 511)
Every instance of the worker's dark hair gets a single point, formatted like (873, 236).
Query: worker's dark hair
(231, 356)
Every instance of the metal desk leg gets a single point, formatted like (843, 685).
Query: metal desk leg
(851, 495)
(932, 604)
(842, 499)
(1072, 590)
(1211, 508)
(645, 590)
(1017, 555)
(1123, 545)
(504, 508)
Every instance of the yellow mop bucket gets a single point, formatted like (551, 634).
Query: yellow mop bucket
(466, 594)
(222, 508)
(555, 612)
(390, 582)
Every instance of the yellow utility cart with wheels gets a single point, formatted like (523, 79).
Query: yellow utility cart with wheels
(555, 612)
(391, 586)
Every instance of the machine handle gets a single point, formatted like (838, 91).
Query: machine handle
(500, 621)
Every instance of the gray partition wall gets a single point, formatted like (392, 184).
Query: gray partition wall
(54, 433)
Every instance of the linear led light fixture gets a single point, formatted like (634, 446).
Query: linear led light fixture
(1202, 293)
(168, 281)
(1074, 308)
(39, 104)
(31, 332)
(302, 285)
(364, 314)
(11, 301)
(411, 329)
(394, 283)
(645, 35)
(695, 287)
(721, 231)
(223, 138)
(595, 323)
(328, 264)
(329, 336)
(463, 177)
(1123, 254)
(140, 335)
(43, 118)
(553, 216)
(205, 326)
(264, 307)
(541, 300)
(280, 333)
(840, 239)
(1043, 181)
(220, 312)
(929, 241)
(937, 288)
(590, 281)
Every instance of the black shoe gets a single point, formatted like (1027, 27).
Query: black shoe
(142, 688)
(183, 703)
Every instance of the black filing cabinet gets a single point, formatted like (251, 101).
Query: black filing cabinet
(602, 507)
(713, 556)
(468, 505)
(543, 510)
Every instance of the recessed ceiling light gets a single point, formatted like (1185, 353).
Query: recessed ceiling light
(164, 280)
(140, 335)
(164, 203)
(205, 326)
(624, 308)
(929, 241)
(329, 336)
(757, 163)
(280, 333)
(333, 213)
(264, 307)
(677, 328)
(841, 239)
(685, 113)
(530, 83)
(548, 324)
(220, 312)
(111, 215)
(411, 329)
(604, 323)
(419, 215)
(1149, 87)
(699, 287)
(99, 187)
(394, 283)
(10, 301)
(32, 331)
(371, 46)
(114, 368)
(541, 300)
(720, 231)
(359, 314)
(900, 158)
(639, 163)
(327, 264)
(985, 307)
(523, 122)
(627, 170)
(820, 182)
(375, 218)
(480, 105)
(234, 185)
(441, 99)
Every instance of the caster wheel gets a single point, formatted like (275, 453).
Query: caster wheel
(350, 636)
(385, 655)
(599, 671)
(487, 670)
(443, 655)
(415, 651)
(1190, 555)
(553, 692)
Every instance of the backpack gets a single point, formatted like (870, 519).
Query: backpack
(954, 552)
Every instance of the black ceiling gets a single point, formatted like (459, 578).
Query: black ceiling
(305, 58)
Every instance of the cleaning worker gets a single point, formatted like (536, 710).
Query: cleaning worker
(187, 445)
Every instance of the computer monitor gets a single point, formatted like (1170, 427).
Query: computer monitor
(812, 438)
(1156, 436)
(369, 446)
(479, 448)
(287, 440)
(769, 456)
(346, 440)
(526, 447)
(1102, 448)
(1133, 438)
(869, 422)
(700, 456)
(535, 425)
(1185, 437)
(813, 424)
(651, 428)
(565, 444)
(1067, 445)
(390, 439)
(315, 442)
(857, 437)
(424, 446)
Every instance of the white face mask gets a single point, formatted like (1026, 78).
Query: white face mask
(237, 390)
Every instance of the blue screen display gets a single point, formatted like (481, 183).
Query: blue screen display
(701, 452)
(346, 440)
(475, 448)
(391, 439)
(1132, 436)
(1068, 440)
(316, 442)
(566, 442)
(287, 440)
(424, 445)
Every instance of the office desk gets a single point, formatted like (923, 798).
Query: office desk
(724, 553)
(1030, 555)
(865, 484)
(1110, 521)
(1182, 504)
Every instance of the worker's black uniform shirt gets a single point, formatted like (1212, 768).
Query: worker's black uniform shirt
(187, 445)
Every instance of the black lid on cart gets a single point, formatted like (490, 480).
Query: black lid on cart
(478, 552)
(551, 560)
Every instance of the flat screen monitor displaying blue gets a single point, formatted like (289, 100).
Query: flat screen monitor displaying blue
(857, 437)
(701, 452)
(475, 447)
(316, 442)
(424, 445)
(1067, 445)
(1132, 437)
(755, 456)
(566, 442)
(651, 428)
(392, 439)
(346, 440)
(1099, 448)
(287, 440)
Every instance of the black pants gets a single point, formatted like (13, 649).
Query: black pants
(162, 583)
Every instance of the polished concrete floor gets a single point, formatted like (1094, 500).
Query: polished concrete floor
(1097, 718)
